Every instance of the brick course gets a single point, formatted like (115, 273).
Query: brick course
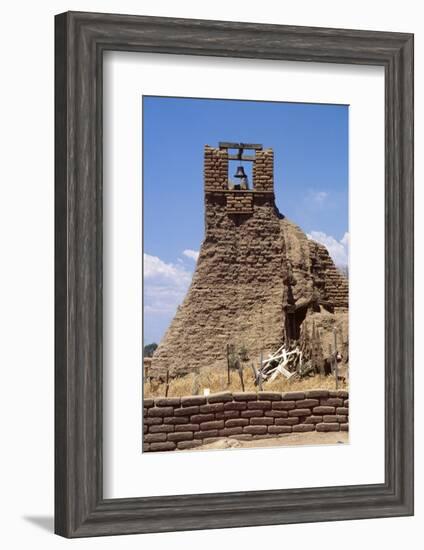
(186, 423)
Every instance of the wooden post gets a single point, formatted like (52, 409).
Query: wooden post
(167, 383)
(260, 371)
(313, 348)
(228, 366)
(330, 353)
(240, 370)
(320, 353)
(336, 366)
(255, 373)
(196, 386)
(257, 376)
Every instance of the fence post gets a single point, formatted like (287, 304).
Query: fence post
(167, 383)
(336, 366)
(240, 370)
(260, 371)
(228, 365)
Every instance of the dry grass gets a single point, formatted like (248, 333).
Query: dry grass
(216, 380)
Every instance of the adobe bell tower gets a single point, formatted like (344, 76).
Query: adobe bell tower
(257, 274)
(239, 198)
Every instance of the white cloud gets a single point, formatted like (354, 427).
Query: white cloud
(165, 285)
(155, 268)
(345, 240)
(193, 254)
(318, 197)
(338, 250)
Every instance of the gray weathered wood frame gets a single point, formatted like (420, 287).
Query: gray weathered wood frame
(81, 39)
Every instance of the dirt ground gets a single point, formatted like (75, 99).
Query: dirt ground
(307, 438)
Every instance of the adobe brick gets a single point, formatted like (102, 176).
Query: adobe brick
(300, 428)
(324, 410)
(255, 430)
(193, 400)
(279, 429)
(332, 402)
(227, 414)
(339, 393)
(203, 434)
(283, 405)
(245, 396)
(186, 411)
(165, 446)
(262, 421)
(155, 438)
(252, 413)
(236, 422)
(213, 407)
(286, 421)
(161, 411)
(316, 393)
(167, 402)
(293, 395)
(235, 406)
(187, 427)
(313, 419)
(183, 445)
(220, 397)
(180, 436)
(227, 432)
(176, 420)
(198, 418)
(212, 425)
(277, 414)
(303, 403)
(152, 421)
(162, 428)
(300, 412)
(327, 427)
(269, 396)
(259, 405)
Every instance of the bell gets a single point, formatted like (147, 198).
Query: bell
(240, 173)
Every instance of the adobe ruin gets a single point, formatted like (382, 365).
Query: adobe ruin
(258, 277)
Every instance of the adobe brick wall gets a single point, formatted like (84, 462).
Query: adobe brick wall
(263, 171)
(239, 202)
(188, 422)
(215, 169)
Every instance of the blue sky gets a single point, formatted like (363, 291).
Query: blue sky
(310, 143)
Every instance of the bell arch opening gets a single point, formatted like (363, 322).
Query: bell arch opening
(240, 175)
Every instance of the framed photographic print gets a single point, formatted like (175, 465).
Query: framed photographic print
(234, 274)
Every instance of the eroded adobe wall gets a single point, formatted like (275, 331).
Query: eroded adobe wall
(335, 287)
(317, 285)
(188, 422)
(315, 277)
(237, 290)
